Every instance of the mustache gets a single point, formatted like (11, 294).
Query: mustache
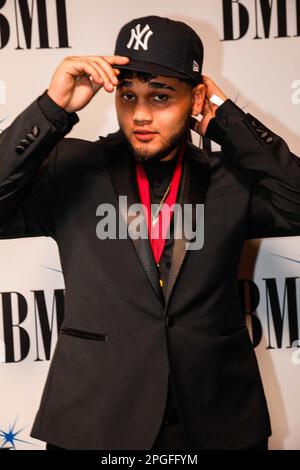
(175, 140)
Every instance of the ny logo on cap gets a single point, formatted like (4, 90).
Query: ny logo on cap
(137, 35)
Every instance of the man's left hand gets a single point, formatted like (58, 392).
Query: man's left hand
(209, 108)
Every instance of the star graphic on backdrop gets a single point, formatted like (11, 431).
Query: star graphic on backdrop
(10, 437)
(285, 257)
(51, 269)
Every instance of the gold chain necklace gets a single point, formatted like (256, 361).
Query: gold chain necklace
(155, 216)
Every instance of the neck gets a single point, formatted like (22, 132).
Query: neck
(165, 162)
(171, 155)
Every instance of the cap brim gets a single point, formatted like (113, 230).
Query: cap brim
(149, 67)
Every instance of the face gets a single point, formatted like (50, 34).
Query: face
(154, 116)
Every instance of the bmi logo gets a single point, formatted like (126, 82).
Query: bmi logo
(141, 38)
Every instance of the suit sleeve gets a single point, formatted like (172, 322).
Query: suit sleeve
(266, 163)
(28, 151)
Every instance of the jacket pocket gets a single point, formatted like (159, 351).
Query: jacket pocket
(233, 331)
(83, 334)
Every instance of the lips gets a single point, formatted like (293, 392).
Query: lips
(144, 134)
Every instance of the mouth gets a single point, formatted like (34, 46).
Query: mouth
(144, 135)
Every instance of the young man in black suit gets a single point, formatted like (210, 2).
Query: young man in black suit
(153, 351)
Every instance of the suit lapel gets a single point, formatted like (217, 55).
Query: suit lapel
(121, 167)
(192, 190)
(194, 183)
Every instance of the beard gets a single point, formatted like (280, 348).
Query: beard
(174, 141)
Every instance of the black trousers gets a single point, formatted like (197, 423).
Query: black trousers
(170, 436)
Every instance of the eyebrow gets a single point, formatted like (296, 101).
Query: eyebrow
(127, 83)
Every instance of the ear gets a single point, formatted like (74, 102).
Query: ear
(198, 97)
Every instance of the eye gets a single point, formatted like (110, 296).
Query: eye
(128, 97)
(160, 98)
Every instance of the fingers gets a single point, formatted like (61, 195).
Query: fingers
(209, 84)
(111, 73)
(116, 59)
(106, 71)
(212, 88)
(205, 78)
(207, 81)
(82, 68)
(98, 68)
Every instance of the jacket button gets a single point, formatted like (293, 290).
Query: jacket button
(223, 121)
(25, 142)
(19, 149)
(169, 321)
(35, 131)
(269, 140)
(264, 135)
(253, 124)
(30, 137)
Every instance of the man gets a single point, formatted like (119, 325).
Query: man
(153, 351)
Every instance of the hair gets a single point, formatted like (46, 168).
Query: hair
(146, 76)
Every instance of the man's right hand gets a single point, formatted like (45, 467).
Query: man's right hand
(78, 78)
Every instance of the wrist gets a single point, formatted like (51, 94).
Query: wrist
(59, 117)
(56, 101)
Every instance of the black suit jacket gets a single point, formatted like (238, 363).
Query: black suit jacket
(120, 337)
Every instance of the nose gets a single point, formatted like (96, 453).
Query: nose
(142, 114)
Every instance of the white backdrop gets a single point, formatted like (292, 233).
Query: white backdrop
(261, 75)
